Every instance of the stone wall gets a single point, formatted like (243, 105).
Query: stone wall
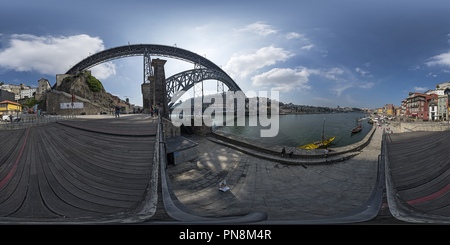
(185, 155)
(170, 130)
(159, 91)
(422, 126)
(60, 78)
(55, 98)
(146, 100)
(204, 129)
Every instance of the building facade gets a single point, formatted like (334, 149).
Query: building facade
(417, 105)
(6, 95)
(8, 107)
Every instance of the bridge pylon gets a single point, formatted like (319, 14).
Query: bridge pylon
(154, 93)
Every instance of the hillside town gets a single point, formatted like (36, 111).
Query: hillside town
(432, 105)
(25, 99)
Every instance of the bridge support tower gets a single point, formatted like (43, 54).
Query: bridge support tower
(155, 92)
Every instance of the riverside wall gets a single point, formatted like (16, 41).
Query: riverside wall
(402, 127)
(297, 152)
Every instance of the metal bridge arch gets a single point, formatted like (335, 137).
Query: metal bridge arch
(208, 70)
(185, 80)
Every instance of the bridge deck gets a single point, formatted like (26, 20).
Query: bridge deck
(420, 172)
(76, 170)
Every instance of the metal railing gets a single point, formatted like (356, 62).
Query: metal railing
(29, 120)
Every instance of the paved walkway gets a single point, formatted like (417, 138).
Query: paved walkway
(339, 192)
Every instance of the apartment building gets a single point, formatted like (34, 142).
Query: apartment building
(8, 107)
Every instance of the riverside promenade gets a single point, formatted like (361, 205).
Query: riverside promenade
(103, 170)
(343, 188)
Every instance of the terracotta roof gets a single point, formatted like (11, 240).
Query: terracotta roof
(9, 102)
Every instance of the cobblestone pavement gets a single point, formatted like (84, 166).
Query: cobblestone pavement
(284, 192)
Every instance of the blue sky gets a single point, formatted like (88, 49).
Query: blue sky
(355, 53)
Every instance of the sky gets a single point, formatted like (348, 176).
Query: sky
(346, 53)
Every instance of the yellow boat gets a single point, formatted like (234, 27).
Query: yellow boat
(320, 144)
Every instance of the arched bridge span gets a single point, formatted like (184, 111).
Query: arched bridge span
(185, 80)
(178, 82)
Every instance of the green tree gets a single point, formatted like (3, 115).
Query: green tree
(30, 102)
(94, 84)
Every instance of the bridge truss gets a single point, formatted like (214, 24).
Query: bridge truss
(204, 68)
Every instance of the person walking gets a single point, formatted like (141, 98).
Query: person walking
(117, 113)
(283, 151)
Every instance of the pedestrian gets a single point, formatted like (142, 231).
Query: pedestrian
(117, 111)
(156, 110)
(325, 155)
(290, 154)
(283, 151)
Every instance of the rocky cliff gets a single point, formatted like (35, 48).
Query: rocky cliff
(83, 88)
(86, 86)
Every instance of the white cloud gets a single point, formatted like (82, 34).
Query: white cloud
(344, 79)
(366, 85)
(259, 28)
(243, 65)
(288, 80)
(51, 55)
(283, 79)
(414, 68)
(308, 47)
(332, 73)
(293, 35)
(338, 90)
(441, 59)
(420, 89)
(103, 70)
(362, 72)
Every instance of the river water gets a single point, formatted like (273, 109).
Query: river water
(296, 130)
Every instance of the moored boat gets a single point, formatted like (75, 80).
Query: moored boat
(319, 144)
(357, 129)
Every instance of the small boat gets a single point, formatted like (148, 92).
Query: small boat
(357, 129)
(320, 144)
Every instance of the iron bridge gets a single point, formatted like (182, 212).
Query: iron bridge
(182, 81)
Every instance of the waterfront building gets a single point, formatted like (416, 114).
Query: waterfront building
(433, 109)
(8, 107)
(15, 89)
(442, 110)
(403, 108)
(388, 110)
(443, 86)
(27, 93)
(417, 105)
(43, 87)
(380, 111)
